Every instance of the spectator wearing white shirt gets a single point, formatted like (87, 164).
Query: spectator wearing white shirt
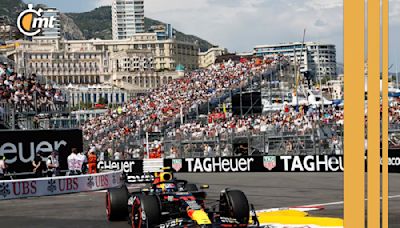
(73, 163)
(3, 167)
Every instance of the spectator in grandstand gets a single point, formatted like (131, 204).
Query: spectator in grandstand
(3, 167)
(117, 155)
(172, 153)
(52, 164)
(288, 146)
(25, 91)
(36, 122)
(226, 152)
(336, 146)
(208, 151)
(39, 165)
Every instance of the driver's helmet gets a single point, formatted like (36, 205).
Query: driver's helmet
(167, 187)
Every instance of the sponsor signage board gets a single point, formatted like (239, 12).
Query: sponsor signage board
(127, 166)
(305, 163)
(58, 185)
(21, 147)
(132, 169)
(137, 172)
(323, 163)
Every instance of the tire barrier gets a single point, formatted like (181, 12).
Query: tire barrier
(15, 189)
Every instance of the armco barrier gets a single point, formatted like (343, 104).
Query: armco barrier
(14, 189)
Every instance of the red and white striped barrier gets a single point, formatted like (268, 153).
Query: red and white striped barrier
(14, 189)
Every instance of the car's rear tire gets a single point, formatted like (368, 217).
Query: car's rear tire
(117, 203)
(145, 211)
(235, 205)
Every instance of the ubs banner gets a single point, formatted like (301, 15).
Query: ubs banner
(20, 147)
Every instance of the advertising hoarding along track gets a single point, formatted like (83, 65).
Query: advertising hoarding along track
(139, 172)
(20, 147)
(14, 189)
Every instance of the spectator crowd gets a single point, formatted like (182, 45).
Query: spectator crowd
(159, 109)
(26, 92)
(288, 120)
(162, 106)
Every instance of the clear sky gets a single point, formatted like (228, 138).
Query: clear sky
(239, 25)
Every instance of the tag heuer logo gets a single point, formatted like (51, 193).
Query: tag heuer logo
(269, 162)
(177, 164)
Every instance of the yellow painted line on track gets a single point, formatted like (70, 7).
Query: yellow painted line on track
(292, 217)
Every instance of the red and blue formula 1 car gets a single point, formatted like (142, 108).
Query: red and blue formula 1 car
(169, 202)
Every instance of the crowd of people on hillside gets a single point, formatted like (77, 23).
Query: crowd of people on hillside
(26, 92)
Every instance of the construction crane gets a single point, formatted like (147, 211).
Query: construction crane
(297, 69)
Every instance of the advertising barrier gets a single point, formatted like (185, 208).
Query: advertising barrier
(141, 170)
(306, 163)
(14, 189)
(311, 163)
(20, 147)
(136, 171)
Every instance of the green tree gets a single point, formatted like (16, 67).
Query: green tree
(102, 101)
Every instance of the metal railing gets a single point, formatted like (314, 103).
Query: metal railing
(324, 140)
(15, 114)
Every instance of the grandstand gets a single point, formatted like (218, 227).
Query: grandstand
(181, 115)
(28, 100)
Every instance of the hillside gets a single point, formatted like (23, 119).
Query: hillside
(11, 9)
(87, 25)
(97, 24)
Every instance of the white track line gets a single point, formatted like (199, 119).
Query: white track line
(341, 202)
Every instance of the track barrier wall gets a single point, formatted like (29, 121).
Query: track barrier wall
(140, 170)
(23, 188)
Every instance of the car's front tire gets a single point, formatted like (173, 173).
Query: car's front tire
(234, 204)
(145, 211)
(117, 203)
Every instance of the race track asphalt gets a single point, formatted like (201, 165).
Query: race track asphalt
(264, 190)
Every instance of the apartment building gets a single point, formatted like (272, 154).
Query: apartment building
(318, 58)
(127, 18)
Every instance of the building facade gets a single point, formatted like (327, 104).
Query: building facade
(8, 31)
(138, 63)
(334, 88)
(93, 94)
(318, 58)
(208, 58)
(127, 18)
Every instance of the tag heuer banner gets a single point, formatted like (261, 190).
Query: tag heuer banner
(138, 171)
(323, 163)
(308, 163)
